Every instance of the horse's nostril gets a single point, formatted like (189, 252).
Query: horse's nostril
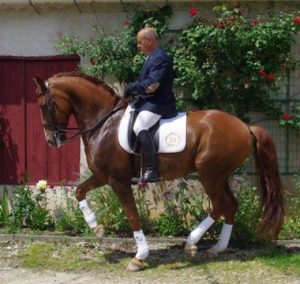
(60, 136)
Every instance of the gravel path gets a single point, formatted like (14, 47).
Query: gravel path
(165, 265)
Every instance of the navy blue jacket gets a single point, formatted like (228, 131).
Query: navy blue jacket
(158, 68)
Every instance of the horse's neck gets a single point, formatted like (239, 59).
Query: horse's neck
(90, 103)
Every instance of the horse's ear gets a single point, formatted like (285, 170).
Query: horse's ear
(40, 84)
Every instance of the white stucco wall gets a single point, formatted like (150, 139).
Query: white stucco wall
(30, 34)
(24, 32)
(31, 30)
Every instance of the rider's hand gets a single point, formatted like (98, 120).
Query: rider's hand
(127, 93)
(129, 90)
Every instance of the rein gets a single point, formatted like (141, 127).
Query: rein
(97, 125)
(58, 130)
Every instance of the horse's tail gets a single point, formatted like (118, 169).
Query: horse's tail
(270, 183)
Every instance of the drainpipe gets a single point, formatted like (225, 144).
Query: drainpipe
(77, 5)
(34, 7)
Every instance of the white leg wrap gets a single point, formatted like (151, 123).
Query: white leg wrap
(142, 246)
(196, 234)
(88, 214)
(222, 244)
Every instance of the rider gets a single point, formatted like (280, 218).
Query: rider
(155, 96)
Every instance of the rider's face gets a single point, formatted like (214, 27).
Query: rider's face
(144, 44)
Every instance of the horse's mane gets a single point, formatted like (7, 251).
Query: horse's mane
(89, 78)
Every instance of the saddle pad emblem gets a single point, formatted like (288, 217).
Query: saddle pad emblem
(170, 136)
(173, 139)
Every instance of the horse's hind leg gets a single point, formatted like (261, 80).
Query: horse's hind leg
(223, 203)
(89, 216)
(190, 248)
(229, 209)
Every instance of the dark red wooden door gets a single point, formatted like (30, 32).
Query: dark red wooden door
(23, 149)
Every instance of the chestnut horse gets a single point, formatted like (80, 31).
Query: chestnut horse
(217, 144)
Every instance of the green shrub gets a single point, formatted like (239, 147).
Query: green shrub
(4, 209)
(248, 215)
(291, 226)
(182, 211)
(144, 209)
(70, 220)
(109, 211)
(29, 210)
(169, 225)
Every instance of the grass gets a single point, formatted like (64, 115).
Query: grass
(271, 265)
(60, 257)
(281, 259)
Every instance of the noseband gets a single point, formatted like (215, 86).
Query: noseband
(51, 107)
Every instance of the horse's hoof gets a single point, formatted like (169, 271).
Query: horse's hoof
(135, 264)
(190, 251)
(99, 232)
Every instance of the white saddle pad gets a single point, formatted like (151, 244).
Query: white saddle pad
(170, 136)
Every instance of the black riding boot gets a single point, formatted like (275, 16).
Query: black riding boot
(149, 152)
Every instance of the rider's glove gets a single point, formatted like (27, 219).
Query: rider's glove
(130, 90)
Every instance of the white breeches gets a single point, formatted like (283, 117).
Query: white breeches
(145, 120)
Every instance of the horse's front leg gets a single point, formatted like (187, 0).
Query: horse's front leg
(125, 195)
(89, 216)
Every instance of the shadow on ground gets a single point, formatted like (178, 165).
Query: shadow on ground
(173, 254)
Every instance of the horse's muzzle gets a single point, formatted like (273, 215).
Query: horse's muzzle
(58, 139)
(59, 136)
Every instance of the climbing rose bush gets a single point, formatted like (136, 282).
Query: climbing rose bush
(291, 120)
(193, 12)
(235, 63)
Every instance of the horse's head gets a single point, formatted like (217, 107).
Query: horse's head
(55, 111)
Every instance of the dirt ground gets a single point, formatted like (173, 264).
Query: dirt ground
(165, 265)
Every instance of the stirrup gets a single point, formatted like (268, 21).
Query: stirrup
(146, 178)
(136, 180)
(150, 176)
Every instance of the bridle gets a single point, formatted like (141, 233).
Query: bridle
(51, 108)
